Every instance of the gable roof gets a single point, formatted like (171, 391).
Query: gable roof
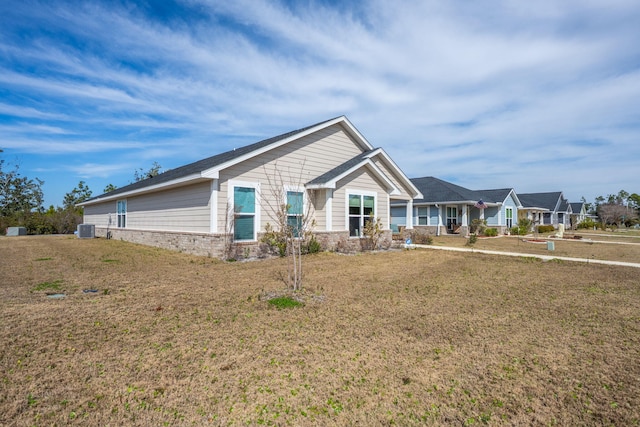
(548, 201)
(576, 207)
(210, 167)
(436, 190)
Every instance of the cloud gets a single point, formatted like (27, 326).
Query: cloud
(512, 89)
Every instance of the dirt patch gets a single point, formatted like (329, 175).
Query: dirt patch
(405, 337)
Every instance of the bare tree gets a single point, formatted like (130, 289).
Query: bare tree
(289, 205)
(616, 213)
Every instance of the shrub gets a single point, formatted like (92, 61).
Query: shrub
(313, 246)
(478, 226)
(421, 238)
(588, 223)
(473, 238)
(491, 232)
(546, 229)
(523, 227)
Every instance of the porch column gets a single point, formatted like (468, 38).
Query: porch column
(328, 206)
(409, 215)
(465, 219)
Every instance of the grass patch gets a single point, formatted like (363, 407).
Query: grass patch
(53, 286)
(409, 338)
(44, 259)
(285, 302)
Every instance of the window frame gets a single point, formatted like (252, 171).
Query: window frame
(362, 216)
(508, 215)
(298, 232)
(425, 216)
(121, 213)
(232, 185)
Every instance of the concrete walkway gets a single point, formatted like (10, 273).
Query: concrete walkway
(525, 255)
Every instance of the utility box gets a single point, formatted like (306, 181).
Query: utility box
(16, 231)
(86, 231)
(551, 246)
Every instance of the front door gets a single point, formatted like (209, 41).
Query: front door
(452, 217)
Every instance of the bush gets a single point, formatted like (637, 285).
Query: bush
(478, 226)
(546, 229)
(421, 238)
(491, 232)
(588, 224)
(313, 246)
(523, 227)
(473, 238)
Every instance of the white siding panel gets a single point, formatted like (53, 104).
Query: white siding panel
(179, 209)
(293, 164)
(362, 180)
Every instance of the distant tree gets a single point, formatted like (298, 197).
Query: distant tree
(20, 197)
(589, 207)
(634, 201)
(616, 214)
(109, 188)
(141, 175)
(78, 195)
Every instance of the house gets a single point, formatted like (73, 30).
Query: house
(328, 171)
(449, 208)
(546, 208)
(578, 213)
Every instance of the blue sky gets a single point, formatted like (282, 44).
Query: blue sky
(538, 96)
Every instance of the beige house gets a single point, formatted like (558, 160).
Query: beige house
(327, 171)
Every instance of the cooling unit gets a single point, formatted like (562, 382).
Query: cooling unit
(86, 231)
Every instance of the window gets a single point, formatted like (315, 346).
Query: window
(295, 209)
(121, 213)
(244, 208)
(361, 207)
(422, 215)
(509, 215)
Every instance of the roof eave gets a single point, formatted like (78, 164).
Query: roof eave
(150, 189)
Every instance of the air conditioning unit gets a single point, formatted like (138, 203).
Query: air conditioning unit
(86, 231)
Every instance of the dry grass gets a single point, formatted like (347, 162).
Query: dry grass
(406, 338)
(590, 246)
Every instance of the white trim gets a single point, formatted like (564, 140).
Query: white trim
(328, 206)
(407, 182)
(213, 208)
(361, 193)
(231, 184)
(391, 188)
(360, 140)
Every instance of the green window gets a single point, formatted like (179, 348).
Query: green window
(295, 210)
(121, 213)
(509, 215)
(244, 207)
(361, 208)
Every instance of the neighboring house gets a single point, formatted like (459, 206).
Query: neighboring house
(450, 208)
(578, 213)
(546, 208)
(328, 171)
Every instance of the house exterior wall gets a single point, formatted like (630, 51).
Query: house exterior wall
(179, 209)
(294, 163)
(359, 181)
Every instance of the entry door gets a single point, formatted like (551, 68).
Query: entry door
(452, 217)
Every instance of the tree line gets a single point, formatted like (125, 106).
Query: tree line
(22, 202)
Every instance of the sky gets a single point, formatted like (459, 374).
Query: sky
(536, 96)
